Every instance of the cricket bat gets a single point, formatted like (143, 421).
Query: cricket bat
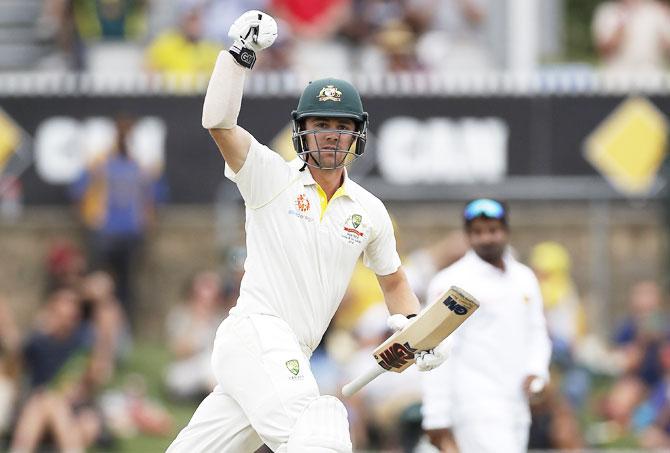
(423, 332)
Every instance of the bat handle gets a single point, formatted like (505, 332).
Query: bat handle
(362, 380)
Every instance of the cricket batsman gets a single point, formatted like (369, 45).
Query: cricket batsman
(307, 224)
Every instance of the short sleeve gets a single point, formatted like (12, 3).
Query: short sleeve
(262, 177)
(381, 255)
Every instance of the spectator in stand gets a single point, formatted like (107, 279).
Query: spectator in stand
(638, 341)
(57, 26)
(118, 205)
(183, 51)
(397, 41)
(566, 319)
(103, 317)
(455, 34)
(9, 366)
(314, 24)
(378, 31)
(219, 14)
(66, 265)
(632, 36)
(653, 418)
(554, 422)
(80, 29)
(55, 357)
(191, 329)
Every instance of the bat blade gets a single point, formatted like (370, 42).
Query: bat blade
(428, 329)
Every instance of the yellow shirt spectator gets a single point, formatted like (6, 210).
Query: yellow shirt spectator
(173, 53)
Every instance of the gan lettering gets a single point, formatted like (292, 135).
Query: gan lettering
(455, 306)
(395, 356)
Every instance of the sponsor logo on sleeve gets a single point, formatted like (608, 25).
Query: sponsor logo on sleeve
(293, 366)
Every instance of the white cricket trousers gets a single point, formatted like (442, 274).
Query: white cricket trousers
(492, 437)
(264, 385)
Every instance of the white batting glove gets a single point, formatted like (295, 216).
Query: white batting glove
(429, 360)
(397, 322)
(252, 31)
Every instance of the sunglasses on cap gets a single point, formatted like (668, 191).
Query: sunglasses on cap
(484, 207)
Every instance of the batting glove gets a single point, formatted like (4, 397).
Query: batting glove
(398, 322)
(252, 31)
(429, 360)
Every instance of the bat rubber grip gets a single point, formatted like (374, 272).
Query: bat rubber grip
(362, 380)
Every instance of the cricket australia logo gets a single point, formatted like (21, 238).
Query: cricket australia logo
(302, 203)
(330, 93)
(351, 232)
(293, 366)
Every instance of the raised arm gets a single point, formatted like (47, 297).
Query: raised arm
(252, 32)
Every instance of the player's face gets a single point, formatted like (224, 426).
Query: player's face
(488, 238)
(329, 140)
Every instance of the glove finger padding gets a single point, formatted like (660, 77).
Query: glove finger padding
(397, 322)
(254, 29)
(429, 360)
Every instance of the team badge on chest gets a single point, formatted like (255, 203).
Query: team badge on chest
(351, 231)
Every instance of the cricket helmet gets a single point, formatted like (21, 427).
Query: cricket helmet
(330, 98)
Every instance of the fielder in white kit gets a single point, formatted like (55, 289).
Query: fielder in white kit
(500, 357)
(307, 224)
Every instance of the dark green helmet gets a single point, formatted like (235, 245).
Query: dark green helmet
(329, 98)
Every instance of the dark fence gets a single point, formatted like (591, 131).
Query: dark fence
(449, 140)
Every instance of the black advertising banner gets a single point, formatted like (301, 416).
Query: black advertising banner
(447, 140)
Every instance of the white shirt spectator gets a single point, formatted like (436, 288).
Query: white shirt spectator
(633, 35)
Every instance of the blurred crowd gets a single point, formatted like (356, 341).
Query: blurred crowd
(183, 37)
(66, 381)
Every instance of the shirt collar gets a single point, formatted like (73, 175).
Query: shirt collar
(308, 180)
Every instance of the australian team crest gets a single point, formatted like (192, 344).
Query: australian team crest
(330, 93)
(293, 366)
(351, 232)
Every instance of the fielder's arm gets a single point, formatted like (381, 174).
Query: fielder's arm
(252, 32)
(398, 295)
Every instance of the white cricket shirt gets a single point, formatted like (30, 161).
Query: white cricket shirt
(301, 249)
(504, 341)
